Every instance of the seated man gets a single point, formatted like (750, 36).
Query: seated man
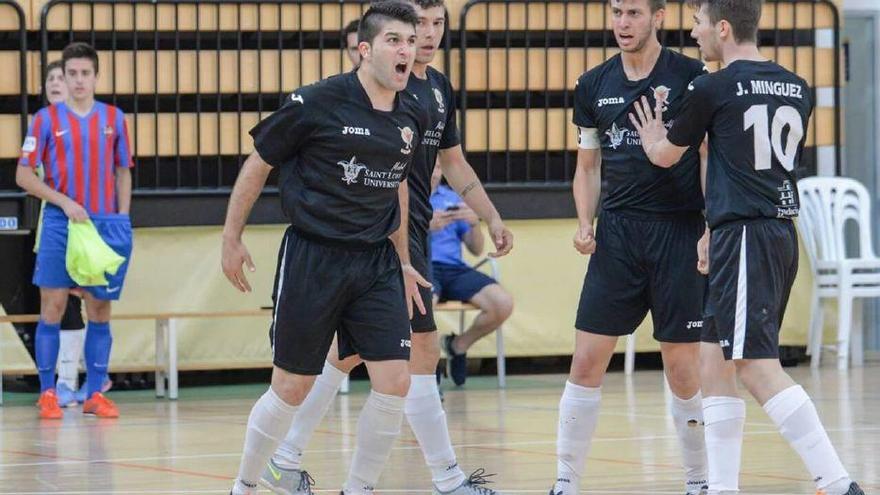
(453, 223)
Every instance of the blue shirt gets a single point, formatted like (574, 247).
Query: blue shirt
(446, 243)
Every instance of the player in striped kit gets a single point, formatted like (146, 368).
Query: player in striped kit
(84, 148)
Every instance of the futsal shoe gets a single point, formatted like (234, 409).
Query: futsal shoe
(81, 393)
(100, 406)
(286, 481)
(703, 490)
(48, 404)
(66, 396)
(472, 485)
(854, 489)
(457, 362)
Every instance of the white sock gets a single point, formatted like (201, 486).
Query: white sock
(687, 415)
(794, 414)
(268, 422)
(240, 488)
(578, 415)
(725, 418)
(378, 427)
(308, 417)
(70, 350)
(428, 421)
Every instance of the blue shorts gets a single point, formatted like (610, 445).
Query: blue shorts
(50, 271)
(458, 282)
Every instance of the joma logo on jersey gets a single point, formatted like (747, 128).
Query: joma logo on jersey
(610, 101)
(695, 324)
(357, 131)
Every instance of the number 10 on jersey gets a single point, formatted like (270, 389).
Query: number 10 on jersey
(767, 138)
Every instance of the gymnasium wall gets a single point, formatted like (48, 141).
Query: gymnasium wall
(178, 269)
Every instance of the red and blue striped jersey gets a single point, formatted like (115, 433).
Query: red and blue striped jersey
(80, 154)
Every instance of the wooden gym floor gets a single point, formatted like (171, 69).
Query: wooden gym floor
(193, 445)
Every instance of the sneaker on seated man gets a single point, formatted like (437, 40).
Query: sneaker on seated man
(454, 223)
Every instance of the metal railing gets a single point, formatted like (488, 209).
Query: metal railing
(577, 30)
(224, 94)
(194, 75)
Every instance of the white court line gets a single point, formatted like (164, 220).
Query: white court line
(410, 447)
(405, 490)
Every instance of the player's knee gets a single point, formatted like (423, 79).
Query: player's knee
(425, 353)
(754, 374)
(397, 385)
(683, 375)
(292, 392)
(585, 371)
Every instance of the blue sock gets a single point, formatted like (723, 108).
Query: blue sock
(97, 355)
(46, 345)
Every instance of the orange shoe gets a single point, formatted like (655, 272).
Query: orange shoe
(100, 406)
(48, 405)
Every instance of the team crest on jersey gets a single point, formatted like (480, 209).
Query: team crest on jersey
(661, 96)
(351, 169)
(441, 103)
(30, 144)
(616, 135)
(407, 135)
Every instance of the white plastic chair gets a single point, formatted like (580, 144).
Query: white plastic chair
(828, 204)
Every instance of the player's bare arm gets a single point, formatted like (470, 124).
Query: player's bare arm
(649, 125)
(27, 179)
(462, 178)
(247, 189)
(123, 189)
(703, 243)
(412, 279)
(586, 188)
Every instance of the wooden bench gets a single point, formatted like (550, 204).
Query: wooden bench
(166, 340)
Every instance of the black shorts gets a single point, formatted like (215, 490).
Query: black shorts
(643, 264)
(420, 255)
(752, 267)
(73, 318)
(322, 290)
(459, 282)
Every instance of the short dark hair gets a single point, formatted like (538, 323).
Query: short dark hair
(351, 27)
(744, 16)
(429, 4)
(655, 5)
(381, 12)
(79, 50)
(55, 64)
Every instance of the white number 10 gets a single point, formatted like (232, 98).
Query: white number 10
(757, 117)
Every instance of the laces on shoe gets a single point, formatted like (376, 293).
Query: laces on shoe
(306, 482)
(478, 478)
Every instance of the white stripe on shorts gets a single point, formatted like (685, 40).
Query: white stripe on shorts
(739, 326)
(278, 294)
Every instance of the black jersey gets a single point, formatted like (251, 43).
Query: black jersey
(436, 96)
(603, 99)
(340, 160)
(756, 114)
